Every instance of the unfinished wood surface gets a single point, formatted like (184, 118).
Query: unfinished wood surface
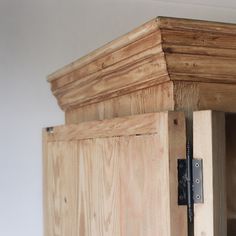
(121, 126)
(138, 33)
(198, 50)
(153, 99)
(115, 184)
(60, 178)
(177, 95)
(190, 96)
(209, 145)
(94, 88)
(189, 24)
(162, 50)
(201, 68)
(143, 47)
(141, 32)
(200, 38)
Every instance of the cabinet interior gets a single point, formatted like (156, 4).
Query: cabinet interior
(231, 173)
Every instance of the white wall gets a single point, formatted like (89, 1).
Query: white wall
(37, 37)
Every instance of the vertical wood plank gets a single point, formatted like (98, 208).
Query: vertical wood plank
(60, 189)
(144, 187)
(176, 150)
(209, 144)
(99, 191)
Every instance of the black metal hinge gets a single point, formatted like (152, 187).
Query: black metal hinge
(190, 182)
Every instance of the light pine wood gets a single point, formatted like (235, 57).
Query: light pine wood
(180, 96)
(198, 50)
(209, 145)
(115, 185)
(153, 99)
(139, 49)
(162, 50)
(192, 25)
(121, 126)
(167, 64)
(176, 138)
(198, 37)
(202, 96)
(99, 187)
(60, 179)
(133, 36)
(141, 74)
(206, 68)
(166, 24)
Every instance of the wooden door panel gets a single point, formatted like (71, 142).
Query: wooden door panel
(115, 177)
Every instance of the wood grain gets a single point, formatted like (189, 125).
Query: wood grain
(99, 191)
(141, 74)
(202, 96)
(137, 49)
(162, 50)
(153, 99)
(60, 179)
(201, 68)
(192, 25)
(209, 145)
(115, 45)
(140, 59)
(176, 148)
(198, 50)
(141, 32)
(122, 126)
(115, 184)
(200, 38)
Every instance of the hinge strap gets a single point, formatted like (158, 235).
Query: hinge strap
(190, 182)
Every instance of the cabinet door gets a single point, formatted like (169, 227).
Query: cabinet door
(115, 177)
(209, 145)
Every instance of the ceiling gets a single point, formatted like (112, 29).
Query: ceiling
(210, 3)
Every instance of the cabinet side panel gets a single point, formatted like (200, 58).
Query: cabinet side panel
(209, 145)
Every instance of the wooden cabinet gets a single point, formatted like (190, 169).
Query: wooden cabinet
(130, 106)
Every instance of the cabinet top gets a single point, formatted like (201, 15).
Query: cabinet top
(160, 50)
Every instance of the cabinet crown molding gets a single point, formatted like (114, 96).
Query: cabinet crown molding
(163, 49)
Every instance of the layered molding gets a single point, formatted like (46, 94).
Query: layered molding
(163, 49)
